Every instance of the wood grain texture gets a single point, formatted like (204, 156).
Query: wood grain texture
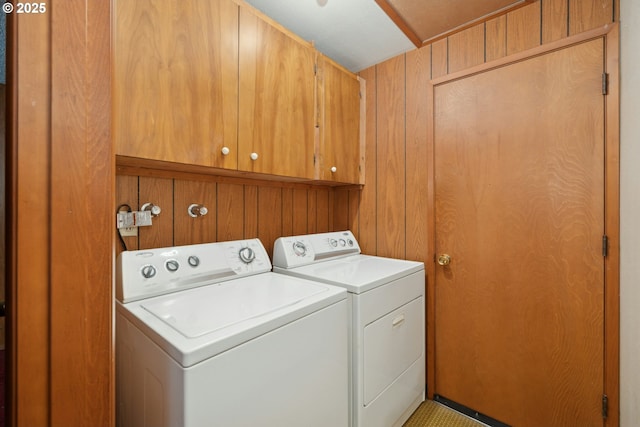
(340, 210)
(466, 48)
(439, 58)
(188, 230)
(250, 213)
(554, 20)
(158, 191)
(367, 231)
(81, 217)
(176, 80)
(300, 212)
(523, 28)
(547, 273)
(230, 212)
(587, 14)
(339, 106)
(391, 186)
(269, 224)
(496, 38)
(276, 100)
(419, 104)
(28, 195)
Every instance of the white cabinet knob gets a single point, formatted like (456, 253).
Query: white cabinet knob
(334, 169)
(254, 156)
(225, 151)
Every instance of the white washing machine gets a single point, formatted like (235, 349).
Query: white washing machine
(207, 336)
(387, 321)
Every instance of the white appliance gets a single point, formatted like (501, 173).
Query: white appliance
(387, 321)
(207, 336)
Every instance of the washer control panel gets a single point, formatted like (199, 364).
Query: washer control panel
(295, 251)
(146, 273)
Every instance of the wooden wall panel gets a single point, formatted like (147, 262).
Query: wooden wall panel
(312, 212)
(340, 210)
(299, 212)
(496, 38)
(250, 213)
(158, 191)
(466, 48)
(230, 212)
(270, 216)
(439, 59)
(186, 229)
(523, 28)
(588, 14)
(554, 20)
(391, 158)
(353, 221)
(322, 209)
(367, 230)
(419, 104)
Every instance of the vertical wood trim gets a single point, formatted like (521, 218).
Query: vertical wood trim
(418, 105)
(586, 15)
(300, 202)
(82, 207)
(28, 195)
(391, 183)
(186, 229)
(340, 210)
(367, 233)
(312, 211)
(439, 59)
(466, 48)
(612, 227)
(250, 211)
(287, 211)
(229, 212)
(322, 208)
(555, 15)
(158, 191)
(269, 216)
(126, 193)
(353, 219)
(523, 28)
(496, 38)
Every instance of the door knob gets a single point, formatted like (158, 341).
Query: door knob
(444, 259)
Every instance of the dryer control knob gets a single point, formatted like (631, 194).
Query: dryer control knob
(299, 248)
(247, 255)
(148, 271)
(193, 261)
(172, 265)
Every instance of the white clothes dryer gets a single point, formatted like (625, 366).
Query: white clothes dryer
(387, 321)
(207, 335)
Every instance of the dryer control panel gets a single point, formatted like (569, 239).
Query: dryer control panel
(146, 273)
(295, 251)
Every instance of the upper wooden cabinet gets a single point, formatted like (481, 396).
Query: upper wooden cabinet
(175, 82)
(340, 150)
(277, 83)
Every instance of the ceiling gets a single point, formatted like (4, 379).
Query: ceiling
(360, 33)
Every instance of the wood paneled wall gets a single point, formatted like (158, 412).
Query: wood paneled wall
(238, 209)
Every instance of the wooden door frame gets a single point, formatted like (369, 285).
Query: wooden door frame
(610, 34)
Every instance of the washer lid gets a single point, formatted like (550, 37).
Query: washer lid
(357, 273)
(215, 307)
(196, 324)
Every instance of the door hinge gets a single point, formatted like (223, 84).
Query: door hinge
(605, 83)
(605, 245)
(605, 406)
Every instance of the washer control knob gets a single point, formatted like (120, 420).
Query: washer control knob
(172, 265)
(333, 242)
(247, 255)
(148, 271)
(299, 248)
(193, 261)
(225, 151)
(342, 242)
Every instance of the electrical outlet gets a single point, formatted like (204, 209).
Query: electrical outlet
(129, 231)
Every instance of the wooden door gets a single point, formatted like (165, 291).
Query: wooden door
(175, 81)
(519, 205)
(339, 107)
(276, 104)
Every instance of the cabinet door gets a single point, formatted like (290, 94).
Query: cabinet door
(175, 80)
(340, 144)
(277, 82)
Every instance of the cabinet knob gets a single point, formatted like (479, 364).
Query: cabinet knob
(334, 169)
(225, 151)
(254, 156)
